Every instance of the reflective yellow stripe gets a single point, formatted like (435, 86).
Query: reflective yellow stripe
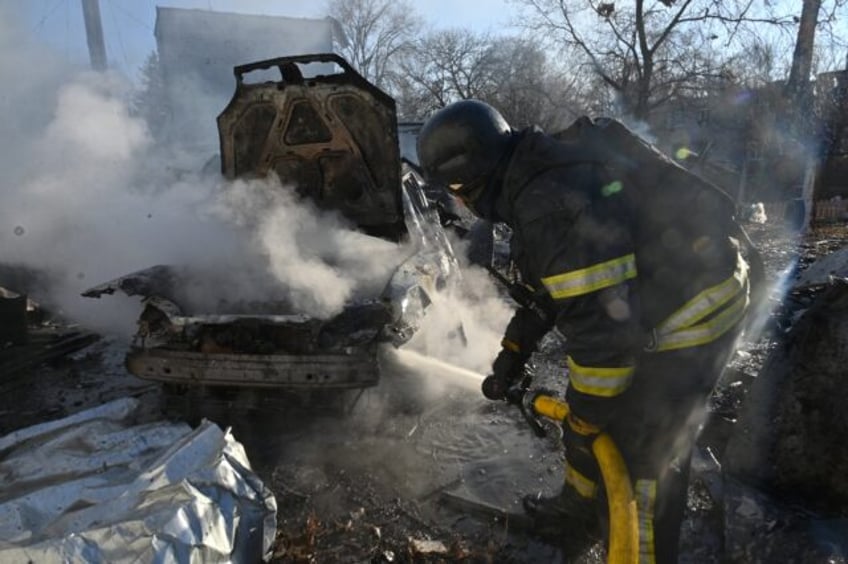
(646, 496)
(587, 280)
(510, 345)
(598, 381)
(583, 485)
(707, 301)
(706, 332)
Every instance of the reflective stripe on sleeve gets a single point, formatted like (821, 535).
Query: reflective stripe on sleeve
(591, 279)
(583, 485)
(706, 302)
(706, 332)
(684, 327)
(599, 381)
(646, 496)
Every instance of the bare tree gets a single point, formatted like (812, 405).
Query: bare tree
(831, 41)
(377, 32)
(647, 52)
(798, 84)
(512, 74)
(528, 90)
(757, 63)
(445, 66)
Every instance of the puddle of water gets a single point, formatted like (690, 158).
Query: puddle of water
(415, 438)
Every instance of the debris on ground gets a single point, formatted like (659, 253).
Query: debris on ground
(42, 345)
(358, 486)
(776, 490)
(96, 487)
(791, 432)
(399, 473)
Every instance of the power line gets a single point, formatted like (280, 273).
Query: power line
(132, 16)
(67, 29)
(118, 32)
(47, 15)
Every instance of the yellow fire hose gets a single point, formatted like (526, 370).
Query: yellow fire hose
(624, 527)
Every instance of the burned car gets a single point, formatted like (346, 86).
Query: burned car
(332, 137)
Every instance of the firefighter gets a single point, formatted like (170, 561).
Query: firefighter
(638, 267)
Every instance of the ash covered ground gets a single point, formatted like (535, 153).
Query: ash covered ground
(411, 471)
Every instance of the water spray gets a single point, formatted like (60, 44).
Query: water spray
(775, 292)
(443, 370)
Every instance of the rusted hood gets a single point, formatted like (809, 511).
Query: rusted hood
(332, 137)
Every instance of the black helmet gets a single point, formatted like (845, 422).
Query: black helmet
(461, 146)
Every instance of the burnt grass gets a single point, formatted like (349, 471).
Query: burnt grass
(368, 511)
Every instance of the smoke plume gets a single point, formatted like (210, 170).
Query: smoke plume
(89, 195)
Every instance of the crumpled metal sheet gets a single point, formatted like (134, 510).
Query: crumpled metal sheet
(94, 488)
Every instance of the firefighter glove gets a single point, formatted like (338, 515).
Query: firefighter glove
(507, 371)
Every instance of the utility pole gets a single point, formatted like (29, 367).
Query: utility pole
(94, 34)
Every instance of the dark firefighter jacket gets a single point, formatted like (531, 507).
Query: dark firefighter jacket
(634, 260)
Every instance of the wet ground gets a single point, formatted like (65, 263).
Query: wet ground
(406, 472)
(412, 472)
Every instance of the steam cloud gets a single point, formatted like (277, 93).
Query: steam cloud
(89, 196)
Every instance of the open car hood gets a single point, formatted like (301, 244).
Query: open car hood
(332, 136)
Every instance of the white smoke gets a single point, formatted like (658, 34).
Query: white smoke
(88, 196)
(463, 329)
(483, 315)
(86, 211)
(81, 209)
(316, 255)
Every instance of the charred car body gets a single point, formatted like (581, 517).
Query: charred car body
(333, 138)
